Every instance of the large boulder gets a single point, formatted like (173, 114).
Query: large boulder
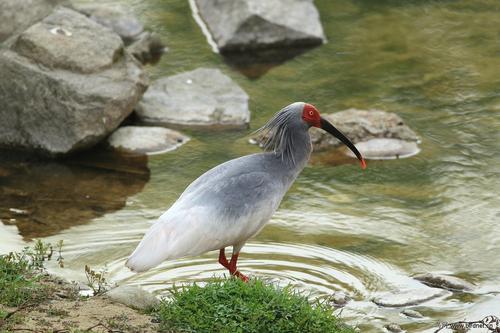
(145, 46)
(203, 97)
(17, 15)
(65, 83)
(256, 24)
(146, 140)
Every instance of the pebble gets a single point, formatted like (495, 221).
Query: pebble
(394, 328)
(339, 298)
(133, 296)
(412, 314)
(407, 298)
(444, 282)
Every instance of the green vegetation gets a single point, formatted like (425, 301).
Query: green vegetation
(21, 280)
(234, 306)
(17, 282)
(220, 306)
(20, 273)
(96, 280)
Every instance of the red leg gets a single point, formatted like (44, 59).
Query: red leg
(222, 258)
(233, 270)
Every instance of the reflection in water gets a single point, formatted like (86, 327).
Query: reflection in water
(41, 198)
(254, 64)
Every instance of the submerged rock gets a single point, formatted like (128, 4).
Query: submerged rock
(203, 97)
(133, 296)
(17, 15)
(444, 282)
(407, 298)
(393, 328)
(65, 84)
(116, 17)
(385, 149)
(412, 314)
(253, 24)
(339, 298)
(146, 140)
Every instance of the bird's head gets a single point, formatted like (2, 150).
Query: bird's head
(311, 116)
(300, 116)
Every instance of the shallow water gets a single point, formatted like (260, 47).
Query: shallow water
(436, 63)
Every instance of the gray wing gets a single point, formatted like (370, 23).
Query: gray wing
(235, 196)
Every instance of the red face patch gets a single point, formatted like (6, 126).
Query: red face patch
(311, 115)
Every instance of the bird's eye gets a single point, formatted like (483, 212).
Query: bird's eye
(311, 113)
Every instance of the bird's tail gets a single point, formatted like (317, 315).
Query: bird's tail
(152, 250)
(174, 236)
(135, 264)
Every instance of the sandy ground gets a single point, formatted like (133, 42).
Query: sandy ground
(65, 311)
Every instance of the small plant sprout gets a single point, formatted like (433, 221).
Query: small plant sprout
(60, 258)
(96, 280)
(33, 258)
(41, 252)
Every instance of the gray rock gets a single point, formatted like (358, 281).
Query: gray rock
(412, 314)
(444, 282)
(146, 140)
(116, 17)
(147, 48)
(393, 328)
(255, 24)
(68, 40)
(203, 97)
(407, 298)
(339, 298)
(65, 84)
(17, 15)
(133, 296)
(385, 149)
(362, 125)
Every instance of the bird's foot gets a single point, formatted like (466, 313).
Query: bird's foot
(231, 265)
(243, 278)
(222, 259)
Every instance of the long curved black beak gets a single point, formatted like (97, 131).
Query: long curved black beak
(327, 126)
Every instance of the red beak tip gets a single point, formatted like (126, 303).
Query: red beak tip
(363, 164)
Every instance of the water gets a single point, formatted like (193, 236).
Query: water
(436, 63)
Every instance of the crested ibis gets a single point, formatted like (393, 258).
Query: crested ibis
(232, 202)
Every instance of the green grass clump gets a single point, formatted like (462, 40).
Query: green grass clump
(20, 273)
(234, 306)
(18, 281)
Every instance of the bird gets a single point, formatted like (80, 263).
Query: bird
(230, 203)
